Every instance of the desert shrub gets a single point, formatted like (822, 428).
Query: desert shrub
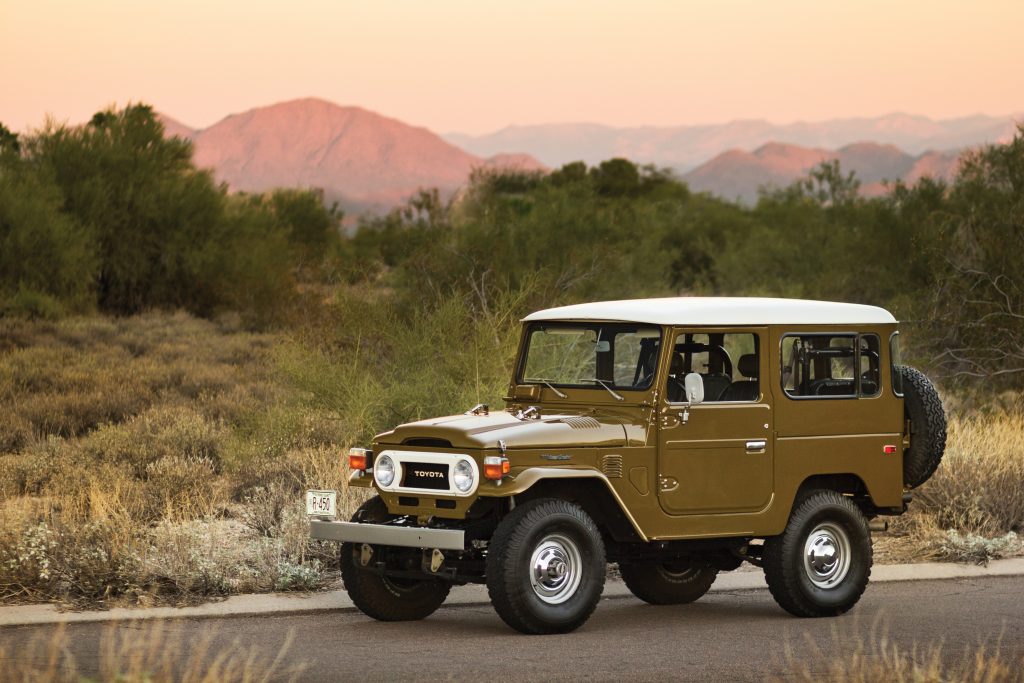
(80, 563)
(182, 487)
(16, 432)
(980, 485)
(32, 304)
(203, 558)
(976, 549)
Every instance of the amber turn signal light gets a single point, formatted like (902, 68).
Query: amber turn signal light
(358, 458)
(496, 467)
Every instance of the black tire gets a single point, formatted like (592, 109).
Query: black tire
(665, 583)
(923, 408)
(805, 587)
(380, 597)
(548, 532)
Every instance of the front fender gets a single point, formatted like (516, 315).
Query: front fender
(522, 479)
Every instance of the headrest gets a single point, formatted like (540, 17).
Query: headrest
(676, 366)
(748, 365)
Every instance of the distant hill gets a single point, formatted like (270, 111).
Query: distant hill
(367, 161)
(738, 175)
(683, 148)
(358, 157)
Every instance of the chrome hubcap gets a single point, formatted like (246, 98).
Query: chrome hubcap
(555, 569)
(827, 555)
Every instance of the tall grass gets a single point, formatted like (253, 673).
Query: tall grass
(154, 459)
(972, 509)
(149, 653)
(882, 660)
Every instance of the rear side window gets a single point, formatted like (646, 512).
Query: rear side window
(830, 365)
(895, 360)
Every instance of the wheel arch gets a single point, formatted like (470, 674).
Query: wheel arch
(589, 489)
(847, 483)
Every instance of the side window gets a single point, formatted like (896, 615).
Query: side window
(727, 362)
(895, 359)
(830, 365)
(870, 375)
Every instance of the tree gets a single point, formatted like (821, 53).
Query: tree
(976, 316)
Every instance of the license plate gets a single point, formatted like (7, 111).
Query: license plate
(322, 503)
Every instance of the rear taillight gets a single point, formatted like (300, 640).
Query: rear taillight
(359, 459)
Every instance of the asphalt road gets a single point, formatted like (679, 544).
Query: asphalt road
(727, 636)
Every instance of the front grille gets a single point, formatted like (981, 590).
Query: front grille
(425, 475)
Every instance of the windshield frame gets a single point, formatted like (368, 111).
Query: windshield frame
(612, 326)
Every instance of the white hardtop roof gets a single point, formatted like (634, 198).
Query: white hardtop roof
(714, 310)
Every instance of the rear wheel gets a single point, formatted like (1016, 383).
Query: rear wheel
(545, 567)
(820, 565)
(381, 597)
(668, 583)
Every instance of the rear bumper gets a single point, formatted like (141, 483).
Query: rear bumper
(382, 534)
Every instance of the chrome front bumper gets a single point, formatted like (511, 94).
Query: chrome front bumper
(382, 534)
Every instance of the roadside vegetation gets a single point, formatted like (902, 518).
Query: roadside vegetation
(153, 652)
(179, 362)
(883, 660)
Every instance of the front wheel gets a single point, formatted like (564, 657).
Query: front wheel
(820, 565)
(381, 597)
(545, 567)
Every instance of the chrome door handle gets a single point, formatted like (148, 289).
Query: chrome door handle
(756, 446)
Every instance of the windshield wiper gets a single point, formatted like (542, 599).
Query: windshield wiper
(604, 383)
(549, 385)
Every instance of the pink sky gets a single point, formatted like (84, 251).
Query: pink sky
(478, 65)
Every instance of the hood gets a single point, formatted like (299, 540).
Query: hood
(485, 431)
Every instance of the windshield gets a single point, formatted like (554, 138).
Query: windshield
(592, 355)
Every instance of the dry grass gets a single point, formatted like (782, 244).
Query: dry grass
(155, 459)
(150, 653)
(884, 661)
(972, 510)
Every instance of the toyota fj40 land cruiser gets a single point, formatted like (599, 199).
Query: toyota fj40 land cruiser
(676, 437)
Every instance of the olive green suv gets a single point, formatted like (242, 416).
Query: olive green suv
(674, 437)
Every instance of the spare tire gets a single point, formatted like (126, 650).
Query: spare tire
(922, 407)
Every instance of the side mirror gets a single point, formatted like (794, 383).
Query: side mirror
(694, 385)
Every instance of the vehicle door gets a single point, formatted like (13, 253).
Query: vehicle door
(716, 456)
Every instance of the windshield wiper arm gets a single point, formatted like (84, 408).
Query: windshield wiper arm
(549, 385)
(604, 383)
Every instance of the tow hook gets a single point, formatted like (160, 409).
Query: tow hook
(365, 553)
(434, 560)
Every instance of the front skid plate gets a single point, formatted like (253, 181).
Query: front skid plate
(383, 534)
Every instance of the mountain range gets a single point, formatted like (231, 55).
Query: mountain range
(740, 175)
(367, 161)
(683, 148)
(359, 158)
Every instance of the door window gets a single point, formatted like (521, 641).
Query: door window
(728, 363)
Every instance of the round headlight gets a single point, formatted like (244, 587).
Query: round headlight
(462, 475)
(384, 470)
